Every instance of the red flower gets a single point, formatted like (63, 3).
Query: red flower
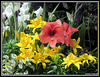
(67, 33)
(52, 33)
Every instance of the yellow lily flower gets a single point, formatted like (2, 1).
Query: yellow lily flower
(36, 23)
(36, 36)
(72, 59)
(36, 58)
(44, 61)
(57, 49)
(24, 54)
(25, 40)
(87, 57)
(76, 45)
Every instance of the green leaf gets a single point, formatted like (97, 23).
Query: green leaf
(57, 72)
(82, 33)
(78, 28)
(64, 73)
(53, 12)
(44, 10)
(70, 18)
(32, 67)
(50, 71)
(54, 67)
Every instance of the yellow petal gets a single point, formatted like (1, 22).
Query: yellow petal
(61, 54)
(44, 65)
(19, 44)
(78, 40)
(34, 30)
(65, 66)
(77, 46)
(30, 26)
(77, 65)
(63, 63)
(75, 51)
(33, 61)
(47, 61)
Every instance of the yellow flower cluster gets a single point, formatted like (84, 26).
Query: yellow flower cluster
(38, 54)
(36, 23)
(31, 50)
(72, 59)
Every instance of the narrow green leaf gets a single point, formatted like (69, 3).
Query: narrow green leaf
(53, 12)
(44, 10)
(89, 35)
(78, 27)
(94, 49)
(50, 71)
(82, 32)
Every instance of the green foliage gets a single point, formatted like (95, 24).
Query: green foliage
(10, 47)
(82, 33)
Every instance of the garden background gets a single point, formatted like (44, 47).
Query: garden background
(16, 20)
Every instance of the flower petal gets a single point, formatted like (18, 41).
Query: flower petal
(59, 22)
(78, 40)
(47, 61)
(52, 42)
(44, 65)
(75, 51)
(77, 46)
(44, 38)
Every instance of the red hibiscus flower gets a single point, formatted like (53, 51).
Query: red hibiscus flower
(52, 33)
(67, 33)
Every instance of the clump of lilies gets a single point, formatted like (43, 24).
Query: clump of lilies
(51, 33)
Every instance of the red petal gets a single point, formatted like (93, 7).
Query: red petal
(73, 29)
(66, 40)
(44, 38)
(52, 42)
(46, 29)
(59, 34)
(59, 22)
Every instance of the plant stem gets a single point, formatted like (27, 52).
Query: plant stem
(14, 19)
(89, 35)
(53, 12)
(48, 45)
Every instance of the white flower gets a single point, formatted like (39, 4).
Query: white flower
(24, 8)
(8, 11)
(5, 27)
(39, 11)
(7, 22)
(26, 17)
(16, 6)
(21, 21)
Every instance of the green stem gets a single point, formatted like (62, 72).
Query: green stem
(94, 49)
(53, 12)
(44, 10)
(48, 45)
(89, 35)
(14, 18)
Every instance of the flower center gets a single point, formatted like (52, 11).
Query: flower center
(51, 33)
